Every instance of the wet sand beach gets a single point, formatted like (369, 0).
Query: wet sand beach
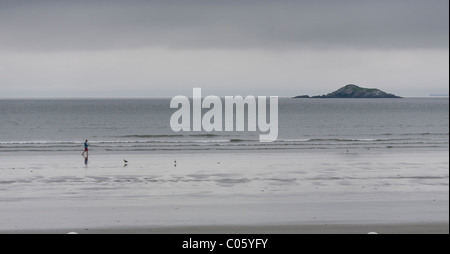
(402, 192)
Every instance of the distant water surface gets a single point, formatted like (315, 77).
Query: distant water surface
(143, 125)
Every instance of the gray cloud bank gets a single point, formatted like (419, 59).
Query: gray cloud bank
(273, 25)
(114, 48)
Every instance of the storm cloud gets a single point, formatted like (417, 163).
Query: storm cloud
(99, 25)
(309, 46)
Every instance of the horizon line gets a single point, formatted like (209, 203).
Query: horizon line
(169, 97)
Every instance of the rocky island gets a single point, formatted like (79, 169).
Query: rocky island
(353, 91)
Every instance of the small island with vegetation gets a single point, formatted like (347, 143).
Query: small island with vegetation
(353, 91)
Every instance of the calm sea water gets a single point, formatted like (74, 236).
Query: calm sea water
(143, 125)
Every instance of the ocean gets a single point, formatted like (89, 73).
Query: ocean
(143, 126)
(360, 162)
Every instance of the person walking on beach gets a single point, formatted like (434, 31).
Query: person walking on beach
(86, 150)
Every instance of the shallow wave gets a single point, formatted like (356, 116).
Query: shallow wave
(38, 142)
(418, 134)
(204, 135)
(151, 136)
(294, 140)
(169, 135)
(223, 142)
(235, 140)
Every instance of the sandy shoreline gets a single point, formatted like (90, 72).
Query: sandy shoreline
(225, 193)
(412, 228)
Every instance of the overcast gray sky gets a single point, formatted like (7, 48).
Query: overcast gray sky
(165, 48)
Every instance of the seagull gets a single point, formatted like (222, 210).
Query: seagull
(125, 161)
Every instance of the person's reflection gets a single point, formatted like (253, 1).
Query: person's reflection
(86, 158)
